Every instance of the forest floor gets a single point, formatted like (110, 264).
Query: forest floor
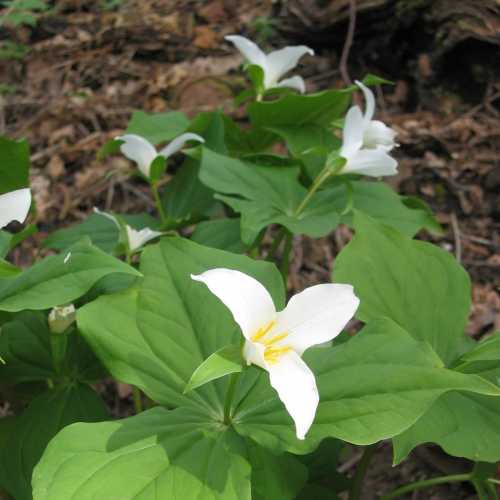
(91, 63)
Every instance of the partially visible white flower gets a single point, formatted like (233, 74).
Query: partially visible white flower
(14, 205)
(366, 142)
(275, 64)
(142, 152)
(275, 341)
(135, 238)
(61, 317)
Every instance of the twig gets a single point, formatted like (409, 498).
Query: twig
(348, 43)
(456, 237)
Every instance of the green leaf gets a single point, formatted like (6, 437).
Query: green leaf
(378, 200)
(25, 348)
(223, 362)
(178, 455)
(371, 387)
(157, 168)
(464, 425)
(275, 476)
(5, 239)
(185, 196)
(293, 109)
(266, 195)
(38, 424)
(59, 279)
(371, 79)
(418, 285)
(484, 356)
(8, 270)
(158, 127)
(223, 234)
(14, 164)
(248, 141)
(156, 338)
(256, 75)
(102, 231)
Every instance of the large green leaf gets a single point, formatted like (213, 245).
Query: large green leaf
(483, 357)
(372, 387)
(418, 285)
(59, 279)
(102, 231)
(38, 424)
(275, 476)
(14, 164)
(463, 424)
(25, 348)
(156, 455)
(157, 127)
(319, 109)
(223, 234)
(266, 195)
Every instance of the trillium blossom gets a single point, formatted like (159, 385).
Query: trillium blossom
(275, 64)
(366, 142)
(14, 205)
(275, 341)
(142, 152)
(135, 238)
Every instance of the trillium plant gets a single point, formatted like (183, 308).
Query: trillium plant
(243, 385)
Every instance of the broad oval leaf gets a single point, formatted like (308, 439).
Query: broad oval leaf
(157, 454)
(59, 279)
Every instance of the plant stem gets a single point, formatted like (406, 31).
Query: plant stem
(322, 176)
(427, 483)
(359, 475)
(231, 388)
(285, 260)
(159, 204)
(276, 243)
(136, 394)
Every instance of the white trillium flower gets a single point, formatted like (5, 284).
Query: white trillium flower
(275, 64)
(366, 142)
(14, 205)
(135, 238)
(142, 152)
(275, 341)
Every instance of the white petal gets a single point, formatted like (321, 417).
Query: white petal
(296, 387)
(108, 216)
(370, 101)
(316, 315)
(253, 352)
(282, 61)
(378, 133)
(371, 162)
(138, 149)
(249, 50)
(14, 205)
(178, 143)
(137, 239)
(295, 82)
(249, 302)
(352, 135)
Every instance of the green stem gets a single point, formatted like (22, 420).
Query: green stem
(427, 483)
(276, 243)
(322, 176)
(359, 475)
(159, 204)
(492, 480)
(285, 260)
(137, 396)
(231, 388)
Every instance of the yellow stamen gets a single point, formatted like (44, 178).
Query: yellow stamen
(275, 339)
(261, 332)
(272, 354)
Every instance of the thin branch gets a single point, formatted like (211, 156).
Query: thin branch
(348, 43)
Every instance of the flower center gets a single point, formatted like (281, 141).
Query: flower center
(272, 352)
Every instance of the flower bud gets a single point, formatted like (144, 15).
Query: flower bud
(61, 318)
